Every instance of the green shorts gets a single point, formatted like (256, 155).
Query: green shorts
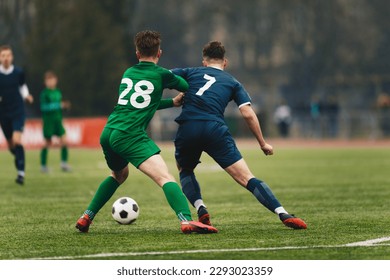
(120, 148)
(52, 128)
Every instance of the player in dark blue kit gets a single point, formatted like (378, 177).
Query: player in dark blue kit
(202, 128)
(13, 91)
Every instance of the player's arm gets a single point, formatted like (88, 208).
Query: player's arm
(23, 89)
(253, 123)
(24, 92)
(175, 79)
(177, 101)
(44, 106)
(65, 104)
(47, 105)
(180, 84)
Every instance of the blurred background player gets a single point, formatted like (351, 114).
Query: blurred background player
(13, 92)
(124, 138)
(51, 108)
(202, 128)
(283, 118)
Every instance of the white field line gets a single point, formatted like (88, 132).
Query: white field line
(366, 243)
(370, 242)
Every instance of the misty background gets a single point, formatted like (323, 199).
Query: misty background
(328, 61)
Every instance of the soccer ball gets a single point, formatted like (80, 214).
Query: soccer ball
(125, 210)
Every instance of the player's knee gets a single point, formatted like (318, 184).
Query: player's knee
(166, 179)
(184, 172)
(121, 175)
(47, 143)
(17, 138)
(186, 176)
(63, 141)
(243, 179)
(162, 179)
(16, 142)
(240, 173)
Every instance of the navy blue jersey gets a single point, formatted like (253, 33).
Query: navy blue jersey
(11, 101)
(210, 91)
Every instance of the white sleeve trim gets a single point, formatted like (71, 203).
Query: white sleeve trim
(243, 104)
(24, 91)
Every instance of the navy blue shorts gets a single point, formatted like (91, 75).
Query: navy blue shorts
(214, 138)
(9, 125)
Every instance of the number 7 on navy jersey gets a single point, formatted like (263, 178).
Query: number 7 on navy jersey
(210, 81)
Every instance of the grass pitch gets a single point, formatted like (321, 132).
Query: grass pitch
(342, 193)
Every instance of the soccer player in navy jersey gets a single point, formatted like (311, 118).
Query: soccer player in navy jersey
(202, 128)
(13, 92)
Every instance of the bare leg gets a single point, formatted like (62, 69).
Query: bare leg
(157, 170)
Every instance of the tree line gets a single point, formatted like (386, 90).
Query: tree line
(278, 49)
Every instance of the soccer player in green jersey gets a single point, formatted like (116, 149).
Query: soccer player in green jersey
(51, 108)
(124, 139)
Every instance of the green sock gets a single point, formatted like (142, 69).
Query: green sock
(64, 153)
(177, 201)
(44, 152)
(105, 191)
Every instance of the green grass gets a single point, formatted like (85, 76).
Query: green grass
(342, 193)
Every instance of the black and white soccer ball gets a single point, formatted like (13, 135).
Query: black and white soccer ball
(125, 210)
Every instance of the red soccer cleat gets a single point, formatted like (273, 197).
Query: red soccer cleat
(205, 219)
(193, 226)
(83, 223)
(292, 222)
(204, 216)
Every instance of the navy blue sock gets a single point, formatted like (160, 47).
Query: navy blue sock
(190, 186)
(19, 157)
(263, 194)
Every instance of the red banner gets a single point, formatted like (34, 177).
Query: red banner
(80, 132)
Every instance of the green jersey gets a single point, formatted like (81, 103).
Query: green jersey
(51, 104)
(140, 95)
(51, 113)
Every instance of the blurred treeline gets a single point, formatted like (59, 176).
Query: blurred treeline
(295, 50)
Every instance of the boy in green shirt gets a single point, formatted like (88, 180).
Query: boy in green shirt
(124, 139)
(51, 108)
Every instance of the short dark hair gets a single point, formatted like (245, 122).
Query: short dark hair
(147, 43)
(5, 47)
(214, 50)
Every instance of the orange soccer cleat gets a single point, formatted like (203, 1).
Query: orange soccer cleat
(204, 216)
(193, 226)
(83, 223)
(292, 222)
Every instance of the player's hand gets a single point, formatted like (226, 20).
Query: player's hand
(66, 104)
(178, 100)
(29, 98)
(267, 149)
